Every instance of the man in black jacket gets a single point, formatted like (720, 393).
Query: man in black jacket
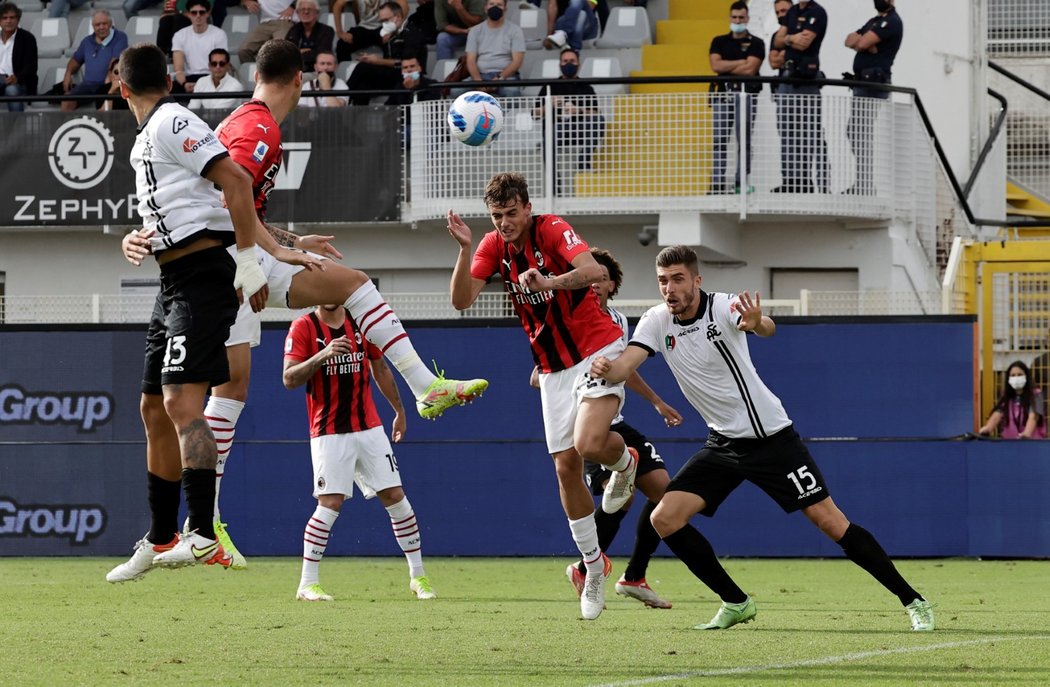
(401, 40)
(18, 57)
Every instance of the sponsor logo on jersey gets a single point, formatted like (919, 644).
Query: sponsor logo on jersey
(320, 482)
(288, 343)
(78, 523)
(259, 154)
(178, 124)
(540, 262)
(669, 342)
(712, 332)
(192, 145)
(84, 410)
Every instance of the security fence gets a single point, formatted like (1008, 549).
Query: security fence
(1018, 28)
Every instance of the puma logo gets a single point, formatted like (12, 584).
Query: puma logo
(265, 129)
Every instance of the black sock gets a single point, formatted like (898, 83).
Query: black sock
(645, 542)
(164, 498)
(607, 526)
(199, 486)
(860, 546)
(693, 549)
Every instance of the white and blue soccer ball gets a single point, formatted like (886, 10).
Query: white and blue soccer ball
(475, 118)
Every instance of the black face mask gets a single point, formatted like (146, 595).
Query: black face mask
(495, 13)
(783, 21)
(882, 6)
(569, 70)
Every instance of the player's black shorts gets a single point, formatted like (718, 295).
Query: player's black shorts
(779, 465)
(648, 459)
(197, 304)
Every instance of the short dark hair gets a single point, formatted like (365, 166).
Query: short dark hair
(198, 3)
(777, 2)
(8, 7)
(739, 5)
(679, 255)
(606, 259)
(393, 7)
(503, 188)
(144, 69)
(278, 61)
(219, 51)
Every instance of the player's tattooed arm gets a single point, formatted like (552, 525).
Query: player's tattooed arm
(283, 237)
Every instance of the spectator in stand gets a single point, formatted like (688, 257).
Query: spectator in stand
(94, 53)
(18, 56)
(454, 19)
(60, 8)
(876, 44)
(173, 19)
(496, 49)
(736, 53)
(423, 19)
(570, 23)
(577, 119)
(415, 83)
(401, 40)
(275, 21)
(309, 34)
(804, 149)
(192, 46)
(1019, 412)
(326, 80)
(219, 80)
(369, 30)
(776, 62)
(112, 88)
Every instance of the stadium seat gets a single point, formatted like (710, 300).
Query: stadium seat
(344, 69)
(50, 71)
(348, 20)
(442, 68)
(83, 31)
(52, 36)
(142, 29)
(534, 24)
(601, 68)
(549, 68)
(246, 75)
(628, 27)
(237, 27)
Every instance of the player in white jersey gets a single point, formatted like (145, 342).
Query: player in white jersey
(702, 337)
(178, 163)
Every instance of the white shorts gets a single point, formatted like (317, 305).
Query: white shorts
(248, 327)
(363, 457)
(561, 393)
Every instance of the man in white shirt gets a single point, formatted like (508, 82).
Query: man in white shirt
(275, 21)
(192, 46)
(325, 66)
(220, 80)
(703, 338)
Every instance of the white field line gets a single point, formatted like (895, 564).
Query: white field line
(826, 660)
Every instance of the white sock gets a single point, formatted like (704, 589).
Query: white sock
(315, 541)
(623, 463)
(585, 534)
(380, 325)
(222, 414)
(406, 531)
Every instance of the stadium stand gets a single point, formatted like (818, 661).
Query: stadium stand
(603, 68)
(628, 27)
(141, 29)
(52, 36)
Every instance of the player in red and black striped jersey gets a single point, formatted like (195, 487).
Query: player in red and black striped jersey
(547, 270)
(326, 351)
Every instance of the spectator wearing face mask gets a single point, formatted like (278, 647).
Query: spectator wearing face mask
(1019, 412)
(326, 80)
(368, 30)
(496, 49)
(401, 41)
(416, 84)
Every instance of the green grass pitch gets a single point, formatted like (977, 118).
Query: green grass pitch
(516, 622)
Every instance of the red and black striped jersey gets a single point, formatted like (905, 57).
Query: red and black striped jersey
(563, 326)
(339, 395)
(252, 136)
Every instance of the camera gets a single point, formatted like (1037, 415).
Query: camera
(647, 235)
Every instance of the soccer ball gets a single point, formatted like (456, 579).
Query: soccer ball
(475, 118)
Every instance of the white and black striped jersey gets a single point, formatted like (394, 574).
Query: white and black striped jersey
(173, 151)
(710, 359)
(621, 321)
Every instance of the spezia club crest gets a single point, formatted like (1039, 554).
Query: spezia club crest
(81, 153)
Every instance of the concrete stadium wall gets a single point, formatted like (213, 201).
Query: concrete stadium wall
(479, 478)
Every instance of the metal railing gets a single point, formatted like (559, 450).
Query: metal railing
(1027, 130)
(1018, 28)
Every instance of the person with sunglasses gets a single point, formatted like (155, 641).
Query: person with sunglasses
(192, 46)
(112, 87)
(220, 80)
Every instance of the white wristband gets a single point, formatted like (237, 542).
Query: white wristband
(249, 277)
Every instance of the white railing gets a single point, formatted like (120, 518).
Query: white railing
(114, 309)
(1018, 28)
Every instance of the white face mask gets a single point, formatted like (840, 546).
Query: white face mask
(387, 28)
(1017, 381)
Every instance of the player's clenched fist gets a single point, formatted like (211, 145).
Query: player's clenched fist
(600, 366)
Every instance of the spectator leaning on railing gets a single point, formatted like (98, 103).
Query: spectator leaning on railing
(275, 21)
(776, 61)
(876, 44)
(496, 49)
(736, 53)
(401, 40)
(192, 46)
(94, 53)
(219, 80)
(18, 56)
(453, 19)
(1019, 411)
(310, 35)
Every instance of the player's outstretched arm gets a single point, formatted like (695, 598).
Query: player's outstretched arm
(672, 418)
(463, 287)
(388, 387)
(621, 368)
(751, 317)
